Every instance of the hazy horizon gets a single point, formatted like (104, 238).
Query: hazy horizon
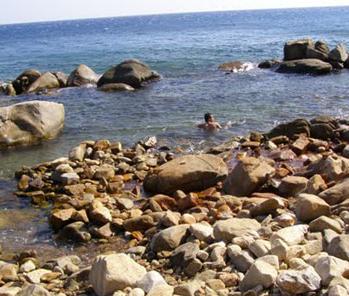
(36, 10)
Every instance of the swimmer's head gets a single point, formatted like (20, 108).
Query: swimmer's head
(208, 117)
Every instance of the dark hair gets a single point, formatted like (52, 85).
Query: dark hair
(207, 117)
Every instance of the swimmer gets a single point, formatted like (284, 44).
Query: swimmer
(210, 123)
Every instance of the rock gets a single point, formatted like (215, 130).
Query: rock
(150, 280)
(189, 288)
(75, 232)
(337, 291)
(130, 72)
(309, 207)
(322, 46)
(227, 229)
(161, 290)
(82, 75)
(339, 247)
(9, 291)
(322, 131)
(99, 213)
(113, 87)
(187, 173)
(313, 53)
(203, 231)
(183, 254)
(44, 82)
(339, 53)
(169, 239)
(315, 185)
(300, 145)
(114, 272)
(248, 176)
(29, 122)
(34, 290)
(268, 64)
(292, 235)
(235, 66)
(329, 267)
(78, 153)
(267, 207)
(323, 222)
(305, 66)
(23, 81)
(295, 50)
(242, 260)
(291, 129)
(141, 223)
(301, 281)
(292, 185)
(62, 217)
(337, 193)
(10, 90)
(332, 168)
(27, 266)
(35, 276)
(137, 292)
(260, 247)
(105, 171)
(8, 272)
(260, 273)
(62, 78)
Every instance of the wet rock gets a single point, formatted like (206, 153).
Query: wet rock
(227, 229)
(82, 75)
(295, 50)
(301, 281)
(339, 53)
(337, 193)
(248, 176)
(114, 272)
(187, 173)
(130, 72)
(115, 87)
(25, 79)
(309, 207)
(29, 122)
(291, 129)
(235, 66)
(150, 280)
(60, 218)
(339, 247)
(75, 232)
(323, 222)
(305, 66)
(267, 64)
(329, 267)
(169, 239)
(260, 273)
(44, 82)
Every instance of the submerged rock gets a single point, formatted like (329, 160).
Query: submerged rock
(235, 66)
(130, 72)
(187, 173)
(29, 122)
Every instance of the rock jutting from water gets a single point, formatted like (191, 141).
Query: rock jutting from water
(127, 76)
(30, 122)
(275, 224)
(305, 56)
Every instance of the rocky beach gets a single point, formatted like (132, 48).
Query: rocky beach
(108, 188)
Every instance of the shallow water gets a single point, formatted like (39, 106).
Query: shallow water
(186, 49)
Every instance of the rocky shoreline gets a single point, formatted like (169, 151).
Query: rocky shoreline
(264, 214)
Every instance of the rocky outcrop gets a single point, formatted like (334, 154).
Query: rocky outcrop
(305, 66)
(130, 72)
(187, 173)
(82, 75)
(24, 80)
(297, 50)
(30, 122)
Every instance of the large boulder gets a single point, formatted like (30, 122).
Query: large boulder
(291, 129)
(297, 49)
(339, 54)
(337, 193)
(82, 75)
(131, 72)
(309, 207)
(187, 173)
(305, 66)
(45, 81)
(248, 176)
(29, 122)
(114, 272)
(24, 80)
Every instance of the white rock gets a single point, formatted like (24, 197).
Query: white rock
(114, 272)
(292, 235)
(35, 276)
(161, 290)
(150, 280)
(330, 267)
(202, 231)
(9, 291)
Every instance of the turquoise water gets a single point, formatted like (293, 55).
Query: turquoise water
(186, 49)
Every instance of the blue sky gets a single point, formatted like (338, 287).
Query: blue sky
(18, 11)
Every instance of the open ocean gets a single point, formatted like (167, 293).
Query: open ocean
(186, 50)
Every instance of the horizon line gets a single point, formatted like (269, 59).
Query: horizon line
(169, 13)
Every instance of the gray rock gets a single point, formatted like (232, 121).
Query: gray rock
(34, 290)
(329, 267)
(150, 280)
(339, 53)
(305, 66)
(339, 247)
(337, 193)
(44, 82)
(169, 239)
(24, 80)
(82, 75)
(309, 207)
(114, 87)
(297, 49)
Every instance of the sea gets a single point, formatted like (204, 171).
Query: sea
(186, 50)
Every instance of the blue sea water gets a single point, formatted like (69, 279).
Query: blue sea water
(186, 49)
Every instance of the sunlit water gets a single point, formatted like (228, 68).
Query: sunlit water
(186, 49)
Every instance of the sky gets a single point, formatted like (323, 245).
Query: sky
(22, 11)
